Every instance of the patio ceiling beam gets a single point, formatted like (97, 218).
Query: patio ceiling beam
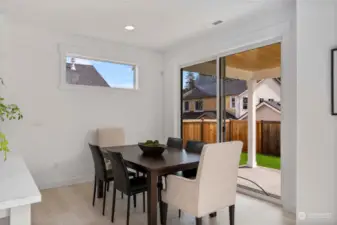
(209, 68)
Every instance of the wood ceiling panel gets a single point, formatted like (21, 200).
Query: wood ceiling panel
(256, 59)
(266, 57)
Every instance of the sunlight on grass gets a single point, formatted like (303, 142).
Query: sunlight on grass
(263, 160)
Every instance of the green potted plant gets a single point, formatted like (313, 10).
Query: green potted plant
(10, 112)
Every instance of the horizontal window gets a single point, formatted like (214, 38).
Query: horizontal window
(98, 73)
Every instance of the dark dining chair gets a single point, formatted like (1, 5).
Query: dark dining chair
(193, 147)
(125, 184)
(101, 173)
(174, 143)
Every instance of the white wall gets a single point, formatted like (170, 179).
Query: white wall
(53, 134)
(266, 89)
(316, 128)
(233, 37)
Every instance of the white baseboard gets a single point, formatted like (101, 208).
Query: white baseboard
(74, 180)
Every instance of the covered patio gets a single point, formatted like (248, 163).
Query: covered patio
(252, 66)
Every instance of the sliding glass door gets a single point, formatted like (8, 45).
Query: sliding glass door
(203, 101)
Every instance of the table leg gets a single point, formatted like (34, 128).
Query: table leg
(100, 189)
(20, 215)
(152, 178)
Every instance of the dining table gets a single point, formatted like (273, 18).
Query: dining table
(170, 162)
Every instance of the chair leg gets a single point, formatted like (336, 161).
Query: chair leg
(198, 221)
(160, 187)
(113, 205)
(104, 197)
(179, 212)
(212, 215)
(128, 212)
(163, 213)
(144, 201)
(231, 214)
(94, 194)
(134, 201)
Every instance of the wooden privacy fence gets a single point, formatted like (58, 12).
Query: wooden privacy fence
(267, 133)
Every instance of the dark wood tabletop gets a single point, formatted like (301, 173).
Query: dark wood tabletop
(171, 161)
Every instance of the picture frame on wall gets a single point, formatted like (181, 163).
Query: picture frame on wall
(334, 81)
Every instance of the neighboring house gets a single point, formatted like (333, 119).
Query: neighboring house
(210, 114)
(202, 98)
(267, 111)
(84, 75)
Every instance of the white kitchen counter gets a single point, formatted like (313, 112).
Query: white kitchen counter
(17, 190)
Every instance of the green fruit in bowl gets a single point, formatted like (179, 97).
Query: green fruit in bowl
(151, 143)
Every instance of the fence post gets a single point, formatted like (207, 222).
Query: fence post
(202, 130)
(261, 139)
(230, 135)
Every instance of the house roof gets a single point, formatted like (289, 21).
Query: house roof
(231, 87)
(206, 115)
(276, 105)
(205, 86)
(272, 104)
(84, 75)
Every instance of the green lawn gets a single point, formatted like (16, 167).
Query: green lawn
(263, 160)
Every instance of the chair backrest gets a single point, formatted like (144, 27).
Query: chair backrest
(121, 175)
(217, 175)
(97, 156)
(175, 143)
(112, 136)
(194, 146)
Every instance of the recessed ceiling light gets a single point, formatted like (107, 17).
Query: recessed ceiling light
(129, 27)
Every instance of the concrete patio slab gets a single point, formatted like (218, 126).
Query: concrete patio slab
(268, 179)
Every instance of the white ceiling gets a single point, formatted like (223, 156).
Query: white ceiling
(159, 23)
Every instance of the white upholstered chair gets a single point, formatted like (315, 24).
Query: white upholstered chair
(108, 137)
(112, 136)
(214, 187)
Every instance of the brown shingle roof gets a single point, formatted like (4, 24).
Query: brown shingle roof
(231, 87)
(84, 75)
(206, 115)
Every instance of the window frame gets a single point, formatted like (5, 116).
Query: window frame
(244, 103)
(188, 108)
(195, 106)
(63, 85)
(233, 98)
